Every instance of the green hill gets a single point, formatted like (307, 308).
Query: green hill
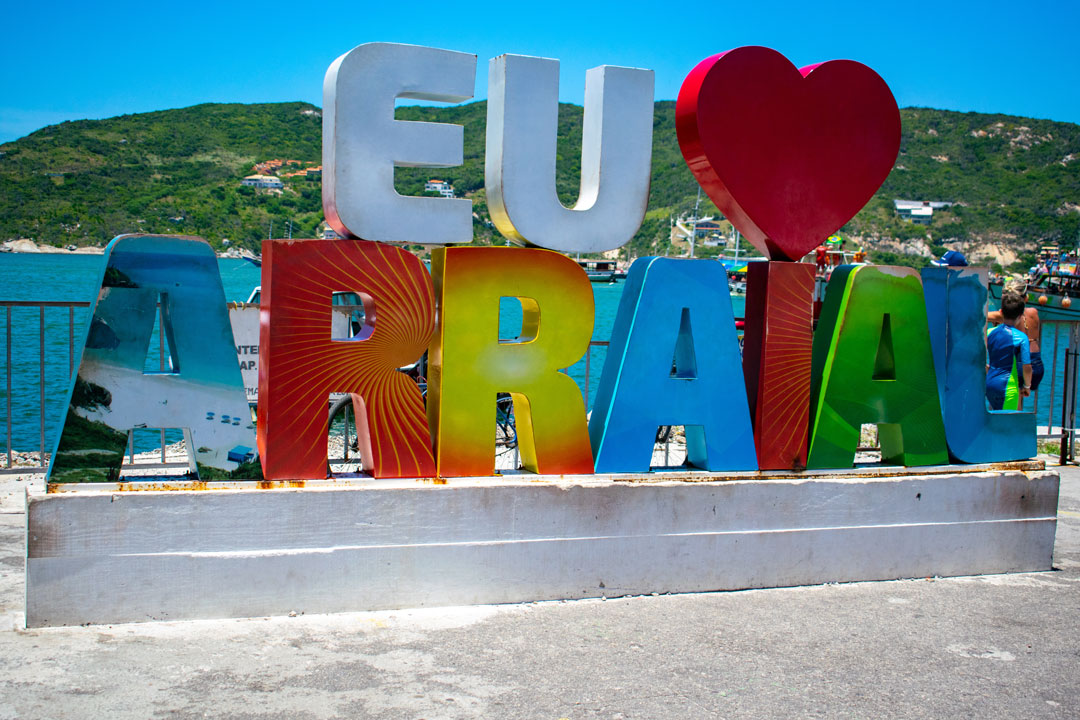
(85, 182)
(1015, 182)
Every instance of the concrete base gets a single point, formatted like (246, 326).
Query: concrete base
(100, 555)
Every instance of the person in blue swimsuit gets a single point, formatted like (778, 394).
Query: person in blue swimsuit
(1033, 327)
(1004, 343)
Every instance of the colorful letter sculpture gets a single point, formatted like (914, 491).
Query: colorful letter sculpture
(956, 308)
(299, 364)
(362, 142)
(468, 366)
(201, 392)
(616, 145)
(873, 363)
(788, 155)
(673, 360)
(776, 360)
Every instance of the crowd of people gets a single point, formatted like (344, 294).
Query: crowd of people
(833, 253)
(1057, 272)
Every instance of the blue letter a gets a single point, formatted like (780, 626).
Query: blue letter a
(956, 306)
(673, 360)
(201, 391)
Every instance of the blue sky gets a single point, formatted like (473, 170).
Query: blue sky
(72, 60)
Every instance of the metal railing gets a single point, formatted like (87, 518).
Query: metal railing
(41, 306)
(1052, 334)
(1067, 430)
(1058, 328)
(43, 456)
(588, 367)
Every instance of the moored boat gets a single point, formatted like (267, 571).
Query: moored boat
(599, 270)
(1053, 286)
(1056, 300)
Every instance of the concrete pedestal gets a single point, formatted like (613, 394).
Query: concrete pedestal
(109, 554)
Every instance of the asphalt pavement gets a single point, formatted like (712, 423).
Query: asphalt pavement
(1002, 646)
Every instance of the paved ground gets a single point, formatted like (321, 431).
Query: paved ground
(989, 647)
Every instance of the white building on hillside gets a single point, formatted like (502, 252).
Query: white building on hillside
(440, 186)
(918, 211)
(263, 181)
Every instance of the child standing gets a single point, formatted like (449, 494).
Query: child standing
(1004, 343)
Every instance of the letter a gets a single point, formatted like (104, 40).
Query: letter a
(872, 363)
(201, 391)
(673, 360)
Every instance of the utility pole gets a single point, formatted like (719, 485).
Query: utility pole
(693, 231)
(270, 233)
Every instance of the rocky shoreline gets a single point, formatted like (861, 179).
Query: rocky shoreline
(25, 245)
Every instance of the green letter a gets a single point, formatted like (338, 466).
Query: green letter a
(872, 363)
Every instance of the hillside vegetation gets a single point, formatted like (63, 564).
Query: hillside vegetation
(1015, 182)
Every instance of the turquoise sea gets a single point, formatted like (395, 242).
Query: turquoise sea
(52, 277)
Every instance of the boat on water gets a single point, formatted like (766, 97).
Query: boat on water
(251, 257)
(600, 271)
(1053, 285)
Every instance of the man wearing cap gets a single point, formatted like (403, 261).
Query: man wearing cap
(953, 258)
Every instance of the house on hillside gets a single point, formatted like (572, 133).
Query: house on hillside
(918, 211)
(706, 227)
(272, 166)
(440, 186)
(263, 181)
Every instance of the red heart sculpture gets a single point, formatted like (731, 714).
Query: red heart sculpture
(787, 155)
